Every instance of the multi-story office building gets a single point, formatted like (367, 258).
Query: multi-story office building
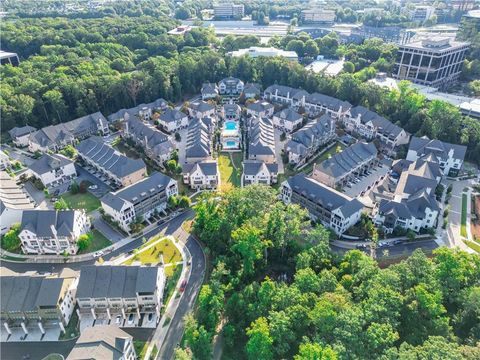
(257, 51)
(228, 11)
(120, 292)
(422, 13)
(109, 163)
(433, 62)
(318, 16)
(139, 200)
(51, 231)
(53, 170)
(332, 208)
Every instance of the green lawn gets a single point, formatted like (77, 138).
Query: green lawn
(82, 201)
(140, 348)
(309, 168)
(463, 228)
(152, 255)
(228, 174)
(99, 241)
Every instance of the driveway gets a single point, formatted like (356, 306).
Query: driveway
(181, 145)
(109, 232)
(279, 146)
(38, 196)
(20, 155)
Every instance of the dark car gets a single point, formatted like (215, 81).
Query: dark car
(183, 285)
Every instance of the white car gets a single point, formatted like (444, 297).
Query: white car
(130, 319)
(93, 187)
(118, 320)
(98, 254)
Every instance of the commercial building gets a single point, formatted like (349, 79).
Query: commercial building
(304, 143)
(347, 165)
(231, 86)
(34, 301)
(261, 140)
(202, 175)
(228, 11)
(287, 120)
(156, 144)
(449, 156)
(257, 51)
(139, 200)
(125, 293)
(103, 342)
(52, 231)
(324, 204)
(436, 61)
(318, 16)
(109, 163)
(9, 58)
(172, 120)
(260, 109)
(422, 13)
(20, 135)
(53, 170)
(258, 172)
(56, 137)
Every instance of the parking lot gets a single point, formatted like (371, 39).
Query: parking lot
(101, 187)
(365, 183)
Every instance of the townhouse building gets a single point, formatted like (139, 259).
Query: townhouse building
(231, 86)
(139, 200)
(172, 120)
(284, 95)
(200, 109)
(287, 120)
(156, 144)
(109, 163)
(103, 342)
(202, 175)
(231, 112)
(56, 137)
(33, 301)
(198, 143)
(252, 90)
(53, 170)
(120, 292)
(324, 204)
(261, 140)
(449, 156)
(305, 142)
(52, 231)
(347, 165)
(260, 109)
(258, 172)
(316, 104)
(20, 135)
(140, 112)
(209, 91)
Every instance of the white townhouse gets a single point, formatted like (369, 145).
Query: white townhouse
(324, 204)
(121, 293)
(252, 90)
(172, 120)
(51, 231)
(449, 156)
(284, 95)
(317, 103)
(260, 108)
(202, 175)
(231, 112)
(231, 86)
(20, 135)
(209, 91)
(200, 109)
(53, 170)
(258, 172)
(287, 120)
(141, 199)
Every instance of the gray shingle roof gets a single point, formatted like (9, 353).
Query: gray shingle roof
(382, 125)
(201, 106)
(198, 140)
(425, 146)
(261, 137)
(259, 106)
(40, 222)
(252, 88)
(253, 167)
(172, 115)
(108, 158)
(328, 102)
(282, 90)
(156, 140)
(21, 131)
(49, 162)
(209, 88)
(289, 114)
(315, 129)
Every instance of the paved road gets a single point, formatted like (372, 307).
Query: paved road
(35, 350)
(396, 250)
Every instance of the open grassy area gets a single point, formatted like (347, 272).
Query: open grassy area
(81, 201)
(99, 241)
(152, 254)
(309, 168)
(140, 348)
(463, 228)
(228, 173)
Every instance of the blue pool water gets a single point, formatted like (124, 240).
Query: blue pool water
(231, 125)
(230, 144)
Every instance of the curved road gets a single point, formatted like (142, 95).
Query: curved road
(16, 350)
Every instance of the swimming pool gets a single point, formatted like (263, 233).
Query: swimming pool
(231, 144)
(231, 125)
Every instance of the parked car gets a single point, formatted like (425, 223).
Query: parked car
(98, 254)
(93, 187)
(150, 317)
(398, 242)
(130, 319)
(183, 285)
(118, 320)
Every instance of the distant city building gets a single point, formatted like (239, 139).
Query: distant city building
(53, 170)
(228, 11)
(139, 200)
(258, 172)
(346, 165)
(20, 135)
(326, 66)
(422, 13)
(111, 164)
(103, 342)
(125, 293)
(434, 62)
(33, 301)
(51, 231)
(56, 137)
(256, 51)
(462, 5)
(9, 58)
(230, 86)
(332, 208)
(318, 16)
(202, 175)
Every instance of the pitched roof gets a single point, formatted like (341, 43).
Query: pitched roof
(252, 88)
(425, 146)
(201, 106)
(314, 129)
(261, 137)
(108, 158)
(156, 140)
(327, 101)
(42, 222)
(209, 88)
(49, 162)
(289, 114)
(382, 125)
(259, 106)
(283, 90)
(172, 115)
(253, 167)
(198, 140)
(21, 131)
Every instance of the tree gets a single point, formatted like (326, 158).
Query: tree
(69, 151)
(84, 241)
(210, 305)
(11, 241)
(313, 351)
(297, 46)
(182, 13)
(259, 345)
(74, 188)
(61, 204)
(311, 48)
(171, 165)
(134, 86)
(349, 67)
(197, 338)
(249, 245)
(183, 354)
(184, 202)
(173, 201)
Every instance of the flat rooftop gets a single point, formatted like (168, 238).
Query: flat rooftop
(437, 44)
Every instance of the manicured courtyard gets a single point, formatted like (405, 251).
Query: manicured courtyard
(81, 201)
(230, 172)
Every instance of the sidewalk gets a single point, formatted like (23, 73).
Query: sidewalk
(352, 244)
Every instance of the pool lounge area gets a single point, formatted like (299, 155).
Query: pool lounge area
(231, 135)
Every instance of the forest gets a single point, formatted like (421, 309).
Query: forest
(276, 291)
